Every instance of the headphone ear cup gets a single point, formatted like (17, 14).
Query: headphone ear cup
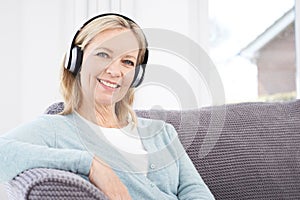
(75, 60)
(138, 75)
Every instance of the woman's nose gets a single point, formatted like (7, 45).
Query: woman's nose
(114, 68)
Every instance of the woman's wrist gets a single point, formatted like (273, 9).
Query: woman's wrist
(91, 172)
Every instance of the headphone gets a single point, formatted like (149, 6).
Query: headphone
(73, 60)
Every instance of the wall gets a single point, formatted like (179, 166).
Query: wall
(33, 35)
(10, 59)
(32, 47)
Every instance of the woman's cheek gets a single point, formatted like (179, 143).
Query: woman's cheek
(126, 83)
(128, 78)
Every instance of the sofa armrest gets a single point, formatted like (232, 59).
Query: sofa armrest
(43, 183)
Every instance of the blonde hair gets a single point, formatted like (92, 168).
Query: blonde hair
(70, 84)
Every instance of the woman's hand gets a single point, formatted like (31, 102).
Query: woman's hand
(104, 178)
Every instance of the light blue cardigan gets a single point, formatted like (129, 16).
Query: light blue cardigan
(68, 143)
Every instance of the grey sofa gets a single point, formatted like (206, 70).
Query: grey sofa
(242, 151)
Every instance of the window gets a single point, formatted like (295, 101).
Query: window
(252, 43)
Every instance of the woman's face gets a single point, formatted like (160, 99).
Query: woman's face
(108, 66)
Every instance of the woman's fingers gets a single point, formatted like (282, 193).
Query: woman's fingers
(103, 177)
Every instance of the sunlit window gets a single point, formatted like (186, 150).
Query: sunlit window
(252, 43)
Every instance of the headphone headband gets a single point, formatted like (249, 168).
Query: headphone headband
(73, 60)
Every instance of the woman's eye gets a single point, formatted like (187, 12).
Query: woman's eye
(128, 62)
(103, 55)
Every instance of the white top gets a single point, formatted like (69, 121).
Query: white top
(127, 141)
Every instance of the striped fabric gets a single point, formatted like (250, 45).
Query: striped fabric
(242, 151)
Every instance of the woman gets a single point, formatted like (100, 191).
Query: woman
(98, 134)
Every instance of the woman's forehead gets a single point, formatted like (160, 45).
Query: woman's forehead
(121, 39)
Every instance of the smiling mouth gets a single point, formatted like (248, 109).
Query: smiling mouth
(108, 84)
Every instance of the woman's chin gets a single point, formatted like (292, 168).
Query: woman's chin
(106, 101)
(103, 102)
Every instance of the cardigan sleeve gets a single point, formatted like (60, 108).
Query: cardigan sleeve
(32, 145)
(191, 185)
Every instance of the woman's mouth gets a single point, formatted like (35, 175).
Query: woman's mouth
(108, 83)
